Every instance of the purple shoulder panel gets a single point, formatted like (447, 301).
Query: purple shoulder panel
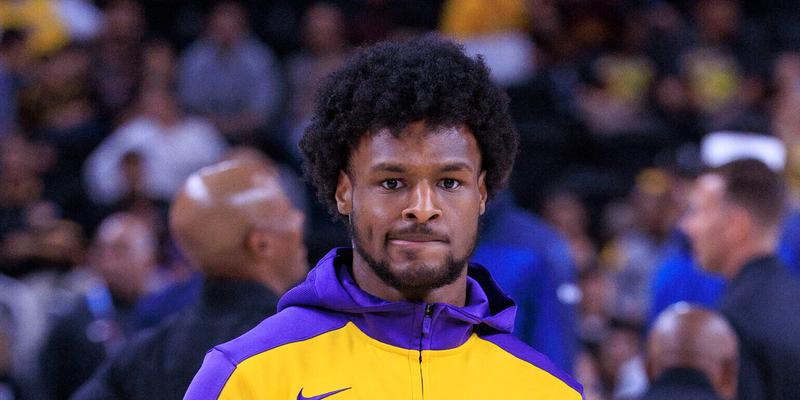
(292, 324)
(211, 378)
(521, 350)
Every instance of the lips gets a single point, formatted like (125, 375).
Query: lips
(416, 235)
(417, 238)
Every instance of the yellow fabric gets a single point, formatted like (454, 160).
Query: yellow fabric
(39, 19)
(468, 18)
(347, 358)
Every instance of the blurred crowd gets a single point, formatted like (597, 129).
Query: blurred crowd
(107, 106)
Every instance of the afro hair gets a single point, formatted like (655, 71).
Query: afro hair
(390, 85)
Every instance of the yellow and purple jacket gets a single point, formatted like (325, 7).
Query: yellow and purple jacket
(330, 339)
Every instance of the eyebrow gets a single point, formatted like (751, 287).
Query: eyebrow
(456, 166)
(398, 168)
(388, 167)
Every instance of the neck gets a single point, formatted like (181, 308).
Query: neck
(263, 274)
(750, 249)
(454, 293)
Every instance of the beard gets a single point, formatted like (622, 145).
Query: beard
(418, 278)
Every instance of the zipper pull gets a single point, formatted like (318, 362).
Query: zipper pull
(426, 322)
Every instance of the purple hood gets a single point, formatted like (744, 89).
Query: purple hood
(330, 288)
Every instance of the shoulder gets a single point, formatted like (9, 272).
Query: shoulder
(291, 325)
(536, 362)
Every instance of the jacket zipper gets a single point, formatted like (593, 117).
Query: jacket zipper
(426, 330)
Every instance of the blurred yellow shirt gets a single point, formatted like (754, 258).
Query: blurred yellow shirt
(39, 19)
(468, 18)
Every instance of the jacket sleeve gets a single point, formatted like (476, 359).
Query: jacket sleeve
(212, 377)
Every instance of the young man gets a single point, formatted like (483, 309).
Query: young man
(407, 144)
(733, 221)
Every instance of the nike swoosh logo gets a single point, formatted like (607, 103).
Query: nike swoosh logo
(320, 397)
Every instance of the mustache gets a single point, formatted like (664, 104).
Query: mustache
(418, 231)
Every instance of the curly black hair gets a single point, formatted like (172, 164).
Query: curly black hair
(390, 85)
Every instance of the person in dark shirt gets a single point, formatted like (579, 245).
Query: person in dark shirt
(96, 324)
(691, 355)
(234, 221)
(733, 222)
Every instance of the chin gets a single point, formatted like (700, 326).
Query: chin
(708, 266)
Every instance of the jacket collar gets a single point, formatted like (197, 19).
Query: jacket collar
(755, 269)
(223, 295)
(330, 286)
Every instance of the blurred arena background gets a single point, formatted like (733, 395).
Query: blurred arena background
(106, 107)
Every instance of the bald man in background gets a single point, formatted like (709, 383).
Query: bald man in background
(691, 355)
(235, 223)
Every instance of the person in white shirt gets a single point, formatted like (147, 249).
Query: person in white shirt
(170, 145)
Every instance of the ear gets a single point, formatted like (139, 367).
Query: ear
(650, 368)
(258, 243)
(482, 190)
(729, 380)
(344, 194)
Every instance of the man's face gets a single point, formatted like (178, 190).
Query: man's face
(124, 255)
(414, 203)
(707, 221)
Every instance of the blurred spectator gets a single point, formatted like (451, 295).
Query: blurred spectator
(324, 51)
(117, 57)
(785, 120)
(45, 244)
(691, 354)
(51, 24)
(621, 365)
(33, 236)
(597, 297)
(220, 208)
(567, 213)
(724, 68)
(58, 112)
(613, 103)
(152, 154)
(231, 77)
(40, 18)
(632, 256)
(20, 185)
(159, 65)
(9, 389)
(61, 97)
(21, 330)
(733, 223)
(533, 264)
(12, 60)
(495, 30)
(673, 108)
(588, 374)
(123, 257)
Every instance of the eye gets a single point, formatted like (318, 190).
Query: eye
(449, 184)
(392, 184)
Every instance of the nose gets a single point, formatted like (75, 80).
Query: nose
(422, 205)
